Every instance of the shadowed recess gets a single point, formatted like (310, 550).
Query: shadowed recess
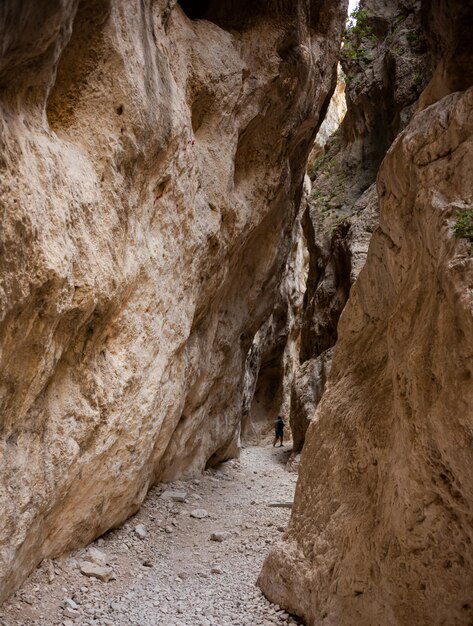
(238, 14)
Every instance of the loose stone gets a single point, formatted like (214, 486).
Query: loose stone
(94, 555)
(174, 496)
(219, 536)
(140, 531)
(93, 570)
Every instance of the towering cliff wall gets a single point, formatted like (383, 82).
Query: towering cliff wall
(274, 354)
(152, 156)
(381, 530)
(386, 63)
(274, 358)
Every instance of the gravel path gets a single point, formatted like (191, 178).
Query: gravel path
(169, 568)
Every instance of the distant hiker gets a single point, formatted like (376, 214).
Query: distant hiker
(279, 430)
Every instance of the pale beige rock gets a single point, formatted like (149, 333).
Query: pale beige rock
(333, 118)
(381, 530)
(93, 570)
(272, 358)
(94, 555)
(175, 496)
(151, 167)
(307, 389)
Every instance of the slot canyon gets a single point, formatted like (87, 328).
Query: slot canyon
(215, 214)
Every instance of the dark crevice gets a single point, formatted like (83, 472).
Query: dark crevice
(236, 14)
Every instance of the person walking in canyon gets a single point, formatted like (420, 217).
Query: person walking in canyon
(279, 430)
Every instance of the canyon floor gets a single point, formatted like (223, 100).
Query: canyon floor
(175, 563)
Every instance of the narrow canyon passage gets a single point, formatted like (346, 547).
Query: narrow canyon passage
(176, 574)
(213, 214)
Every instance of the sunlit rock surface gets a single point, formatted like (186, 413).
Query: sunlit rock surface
(151, 170)
(381, 528)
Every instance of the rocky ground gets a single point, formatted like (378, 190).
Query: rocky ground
(190, 557)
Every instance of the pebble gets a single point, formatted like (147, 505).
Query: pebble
(71, 604)
(219, 536)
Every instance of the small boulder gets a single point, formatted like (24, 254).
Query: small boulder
(199, 513)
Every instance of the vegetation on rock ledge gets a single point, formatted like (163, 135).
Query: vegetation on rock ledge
(358, 34)
(463, 228)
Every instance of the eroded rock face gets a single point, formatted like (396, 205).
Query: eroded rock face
(272, 359)
(332, 120)
(386, 63)
(381, 529)
(151, 169)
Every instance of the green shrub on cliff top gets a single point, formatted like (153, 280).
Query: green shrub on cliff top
(358, 33)
(358, 28)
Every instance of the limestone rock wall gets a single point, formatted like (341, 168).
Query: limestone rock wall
(332, 120)
(385, 65)
(274, 354)
(381, 528)
(273, 360)
(151, 171)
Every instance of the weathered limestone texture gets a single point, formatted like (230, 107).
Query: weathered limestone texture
(332, 120)
(273, 360)
(274, 354)
(151, 171)
(385, 63)
(381, 531)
